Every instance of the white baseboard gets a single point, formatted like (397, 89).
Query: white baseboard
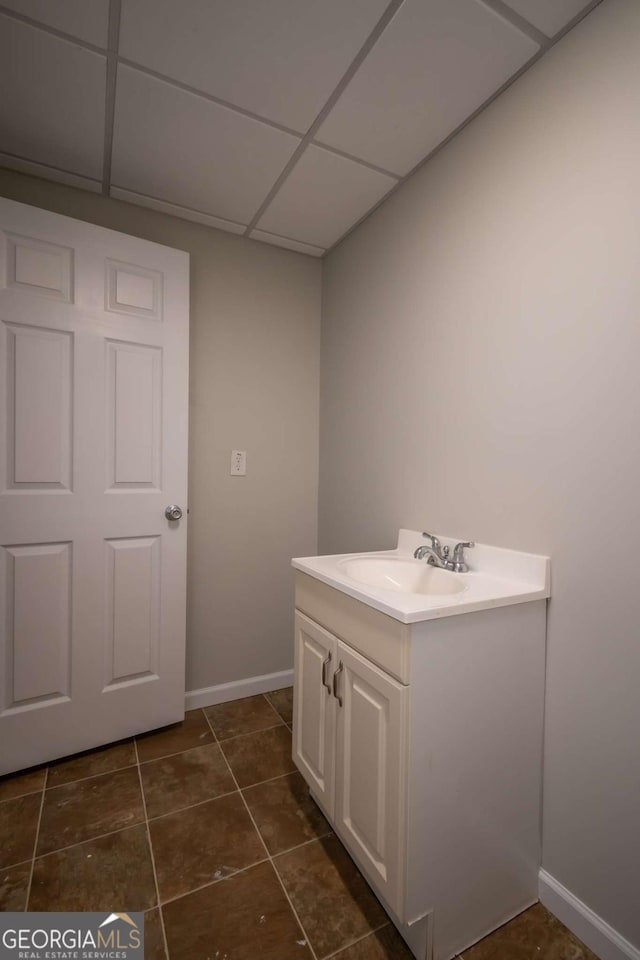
(236, 689)
(605, 942)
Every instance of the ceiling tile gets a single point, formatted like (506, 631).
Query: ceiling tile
(437, 62)
(183, 148)
(87, 19)
(152, 203)
(277, 241)
(322, 197)
(49, 173)
(280, 59)
(548, 15)
(52, 103)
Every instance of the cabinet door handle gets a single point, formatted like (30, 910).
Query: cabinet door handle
(325, 664)
(335, 683)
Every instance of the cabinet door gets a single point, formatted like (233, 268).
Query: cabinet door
(370, 788)
(314, 713)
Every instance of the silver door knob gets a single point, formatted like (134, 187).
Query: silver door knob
(173, 512)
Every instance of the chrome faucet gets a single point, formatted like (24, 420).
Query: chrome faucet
(438, 555)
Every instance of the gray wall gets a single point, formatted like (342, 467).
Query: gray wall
(480, 345)
(255, 324)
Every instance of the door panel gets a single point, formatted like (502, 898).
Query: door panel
(133, 289)
(370, 764)
(39, 633)
(93, 446)
(39, 427)
(45, 269)
(367, 763)
(133, 608)
(314, 708)
(134, 378)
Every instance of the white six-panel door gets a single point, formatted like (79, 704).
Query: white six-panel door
(93, 447)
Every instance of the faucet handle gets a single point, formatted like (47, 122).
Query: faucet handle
(458, 563)
(435, 543)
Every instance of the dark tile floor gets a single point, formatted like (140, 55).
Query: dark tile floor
(208, 828)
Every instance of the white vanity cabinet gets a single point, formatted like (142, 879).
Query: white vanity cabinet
(422, 744)
(350, 744)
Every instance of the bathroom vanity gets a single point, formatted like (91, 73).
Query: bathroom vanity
(418, 712)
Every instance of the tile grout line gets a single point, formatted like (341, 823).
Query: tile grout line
(21, 796)
(352, 943)
(11, 866)
(79, 843)
(277, 712)
(153, 859)
(147, 820)
(105, 773)
(259, 783)
(213, 883)
(331, 832)
(270, 858)
(168, 756)
(305, 843)
(160, 903)
(218, 796)
(251, 732)
(169, 813)
(192, 806)
(216, 742)
(37, 837)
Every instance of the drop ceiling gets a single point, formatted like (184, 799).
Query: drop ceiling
(283, 120)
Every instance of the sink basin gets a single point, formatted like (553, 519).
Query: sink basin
(402, 575)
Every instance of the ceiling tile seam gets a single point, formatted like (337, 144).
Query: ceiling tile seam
(575, 21)
(351, 156)
(50, 166)
(53, 31)
(517, 20)
(205, 213)
(440, 146)
(516, 76)
(174, 203)
(498, 7)
(283, 236)
(86, 45)
(150, 196)
(215, 216)
(125, 61)
(78, 41)
(347, 76)
(115, 7)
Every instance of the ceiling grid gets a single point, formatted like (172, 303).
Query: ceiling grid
(287, 121)
(113, 37)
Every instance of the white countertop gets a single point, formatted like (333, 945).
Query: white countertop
(496, 578)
